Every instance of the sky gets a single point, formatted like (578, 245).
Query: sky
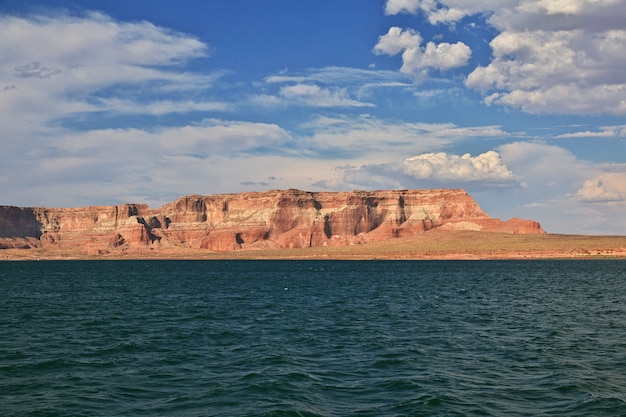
(522, 103)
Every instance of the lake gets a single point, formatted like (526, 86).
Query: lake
(313, 338)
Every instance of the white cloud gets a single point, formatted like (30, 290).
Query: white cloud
(430, 170)
(418, 60)
(600, 201)
(109, 163)
(442, 56)
(402, 6)
(397, 40)
(446, 15)
(210, 137)
(550, 56)
(326, 87)
(94, 45)
(556, 177)
(367, 135)
(57, 69)
(557, 57)
(604, 132)
(442, 166)
(543, 166)
(315, 96)
(582, 196)
(604, 188)
(339, 76)
(157, 107)
(434, 10)
(556, 72)
(60, 65)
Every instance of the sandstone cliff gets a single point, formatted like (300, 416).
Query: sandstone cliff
(276, 218)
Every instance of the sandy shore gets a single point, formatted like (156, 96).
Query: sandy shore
(431, 245)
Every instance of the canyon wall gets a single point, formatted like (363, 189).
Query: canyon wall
(271, 219)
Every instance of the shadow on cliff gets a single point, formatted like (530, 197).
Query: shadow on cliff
(19, 222)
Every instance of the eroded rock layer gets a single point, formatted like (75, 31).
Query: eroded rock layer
(272, 219)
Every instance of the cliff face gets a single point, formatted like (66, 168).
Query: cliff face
(224, 222)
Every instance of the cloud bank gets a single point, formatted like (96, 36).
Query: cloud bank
(56, 67)
(563, 57)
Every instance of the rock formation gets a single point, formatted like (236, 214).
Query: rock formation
(271, 219)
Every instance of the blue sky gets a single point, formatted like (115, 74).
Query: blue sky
(520, 102)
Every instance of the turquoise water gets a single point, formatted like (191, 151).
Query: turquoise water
(319, 338)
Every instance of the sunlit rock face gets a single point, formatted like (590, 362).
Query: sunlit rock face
(271, 219)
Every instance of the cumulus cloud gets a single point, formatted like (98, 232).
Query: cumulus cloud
(442, 56)
(484, 171)
(555, 72)
(557, 58)
(397, 40)
(605, 188)
(402, 6)
(417, 60)
(564, 57)
(484, 167)
(601, 200)
(436, 13)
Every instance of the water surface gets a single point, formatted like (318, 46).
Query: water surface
(313, 338)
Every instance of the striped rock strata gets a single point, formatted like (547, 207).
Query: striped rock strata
(271, 219)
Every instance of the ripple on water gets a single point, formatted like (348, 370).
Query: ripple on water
(313, 338)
